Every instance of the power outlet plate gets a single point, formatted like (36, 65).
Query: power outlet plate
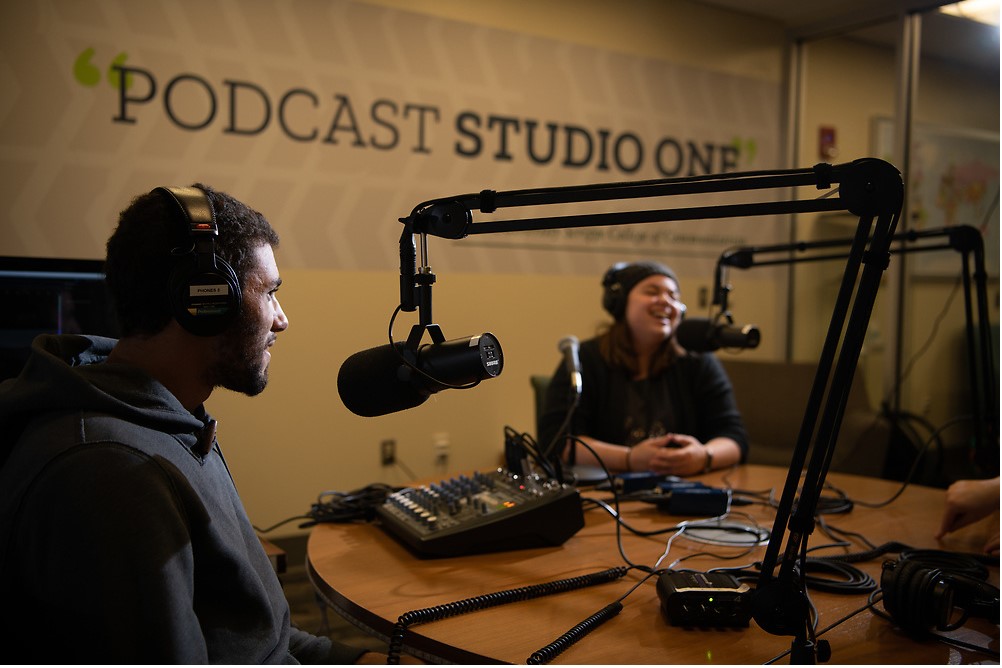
(441, 444)
(388, 452)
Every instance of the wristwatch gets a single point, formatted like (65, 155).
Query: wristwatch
(708, 466)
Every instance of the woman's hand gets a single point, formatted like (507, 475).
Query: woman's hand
(671, 454)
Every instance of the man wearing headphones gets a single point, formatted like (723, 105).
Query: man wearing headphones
(122, 537)
(646, 404)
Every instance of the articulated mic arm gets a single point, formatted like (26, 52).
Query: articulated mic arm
(868, 188)
(965, 240)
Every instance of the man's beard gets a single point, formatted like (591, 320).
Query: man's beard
(241, 365)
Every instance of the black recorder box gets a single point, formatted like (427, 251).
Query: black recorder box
(704, 599)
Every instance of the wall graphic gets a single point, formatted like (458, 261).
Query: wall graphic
(954, 180)
(335, 118)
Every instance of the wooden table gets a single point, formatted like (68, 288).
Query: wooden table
(370, 578)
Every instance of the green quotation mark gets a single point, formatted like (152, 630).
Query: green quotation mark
(746, 148)
(89, 74)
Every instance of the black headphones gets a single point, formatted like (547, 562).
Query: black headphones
(937, 590)
(203, 289)
(616, 286)
(613, 298)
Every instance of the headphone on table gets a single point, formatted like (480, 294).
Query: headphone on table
(614, 293)
(935, 590)
(203, 289)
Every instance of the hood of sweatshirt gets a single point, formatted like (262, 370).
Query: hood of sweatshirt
(71, 373)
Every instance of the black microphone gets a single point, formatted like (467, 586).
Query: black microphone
(569, 347)
(704, 335)
(377, 381)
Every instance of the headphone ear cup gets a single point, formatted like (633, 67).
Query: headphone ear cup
(890, 576)
(975, 596)
(613, 300)
(204, 302)
(203, 290)
(917, 597)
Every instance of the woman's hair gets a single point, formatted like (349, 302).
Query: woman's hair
(141, 253)
(616, 347)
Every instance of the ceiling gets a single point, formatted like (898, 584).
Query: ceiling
(944, 37)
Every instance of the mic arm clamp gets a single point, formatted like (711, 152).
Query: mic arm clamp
(415, 287)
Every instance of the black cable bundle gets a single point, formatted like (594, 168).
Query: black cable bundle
(359, 504)
(520, 445)
(854, 581)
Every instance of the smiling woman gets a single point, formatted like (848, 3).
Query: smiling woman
(645, 403)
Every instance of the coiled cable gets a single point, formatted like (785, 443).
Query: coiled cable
(586, 626)
(853, 579)
(424, 615)
(555, 648)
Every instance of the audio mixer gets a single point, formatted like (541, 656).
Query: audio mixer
(483, 512)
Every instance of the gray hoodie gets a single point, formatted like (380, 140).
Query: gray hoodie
(120, 526)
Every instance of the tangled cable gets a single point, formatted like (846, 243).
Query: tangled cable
(359, 504)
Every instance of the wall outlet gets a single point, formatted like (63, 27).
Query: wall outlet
(388, 452)
(441, 444)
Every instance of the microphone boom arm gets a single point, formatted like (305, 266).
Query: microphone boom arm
(964, 239)
(869, 188)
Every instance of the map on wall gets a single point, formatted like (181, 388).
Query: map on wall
(953, 180)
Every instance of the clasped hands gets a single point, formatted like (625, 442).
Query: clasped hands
(671, 454)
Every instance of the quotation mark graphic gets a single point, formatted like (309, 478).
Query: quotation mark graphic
(88, 74)
(747, 148)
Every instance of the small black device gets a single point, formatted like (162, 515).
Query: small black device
(699, 501)
(204, 290)
(677, 496)
(690, 598)
(633, 481)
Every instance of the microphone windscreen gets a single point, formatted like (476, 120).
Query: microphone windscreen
(369, 383)
(695, 334)
(569, 342)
